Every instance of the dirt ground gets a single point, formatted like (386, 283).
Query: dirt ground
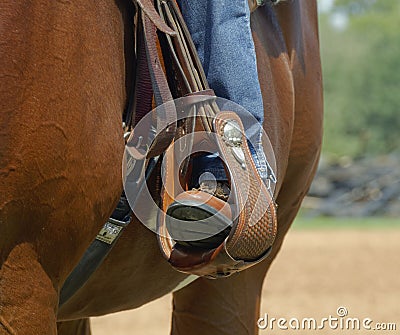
(316, 272)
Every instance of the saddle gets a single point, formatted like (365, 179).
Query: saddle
(169, 75)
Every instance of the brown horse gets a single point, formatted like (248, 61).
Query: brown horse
(65, 73)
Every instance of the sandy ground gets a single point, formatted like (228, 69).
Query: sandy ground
(316, 272)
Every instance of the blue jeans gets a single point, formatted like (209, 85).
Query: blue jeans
(221, 33)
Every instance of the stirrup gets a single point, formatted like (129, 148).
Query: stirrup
(230, 236)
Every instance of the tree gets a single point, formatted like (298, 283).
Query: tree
(362, 77)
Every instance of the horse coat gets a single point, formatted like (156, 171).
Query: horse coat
(65, 80)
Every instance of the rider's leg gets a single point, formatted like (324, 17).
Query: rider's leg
(221, 33)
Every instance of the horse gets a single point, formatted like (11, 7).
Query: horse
(66, 75)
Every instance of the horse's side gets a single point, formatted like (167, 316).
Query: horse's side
(62, 94)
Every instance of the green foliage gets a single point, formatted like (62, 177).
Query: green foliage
(361, 65)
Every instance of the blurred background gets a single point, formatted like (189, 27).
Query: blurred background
(342, 250)
(359, 173)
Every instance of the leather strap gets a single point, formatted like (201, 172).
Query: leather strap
(148, 8)
(149, 66)
(143, 89)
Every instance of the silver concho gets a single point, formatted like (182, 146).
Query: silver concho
(233, 138)
(232, 133)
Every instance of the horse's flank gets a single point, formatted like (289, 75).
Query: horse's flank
(62, 93)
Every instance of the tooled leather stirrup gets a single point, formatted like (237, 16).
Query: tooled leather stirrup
(240, 231)
(250, 211)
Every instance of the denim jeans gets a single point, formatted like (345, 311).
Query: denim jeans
(221, 33)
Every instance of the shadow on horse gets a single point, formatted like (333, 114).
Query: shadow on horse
(66, 75)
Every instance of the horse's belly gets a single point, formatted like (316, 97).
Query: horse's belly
(133, 274)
